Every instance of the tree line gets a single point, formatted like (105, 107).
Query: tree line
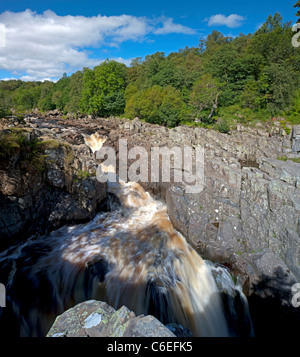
(248, 77)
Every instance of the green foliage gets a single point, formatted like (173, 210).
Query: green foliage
(294, 113)
(222, 126)
(172, 108)
(277, 87)
(284, 158)
(82, 175)
(250, 96)
(204, 93)
(28, 151)
(298, 12)
(103, 89)
(243, 115)
(164, 106)
(245, 79)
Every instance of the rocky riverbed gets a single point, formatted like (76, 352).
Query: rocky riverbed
(246, 218)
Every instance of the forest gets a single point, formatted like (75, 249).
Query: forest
(248, 78)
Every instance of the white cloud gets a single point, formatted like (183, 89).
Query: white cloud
(43, 46)
(230, 21)
(168, 26)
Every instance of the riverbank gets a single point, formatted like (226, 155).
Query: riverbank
(246, 218)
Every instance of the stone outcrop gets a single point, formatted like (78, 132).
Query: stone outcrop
(247, 217)
(37, 200)
(296, 139)
(97, 319)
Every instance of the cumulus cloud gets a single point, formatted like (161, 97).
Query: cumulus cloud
(168, 26)
(44, 46)
(230, 21)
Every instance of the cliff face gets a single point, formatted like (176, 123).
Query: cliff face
(247, 217)
(54, 186)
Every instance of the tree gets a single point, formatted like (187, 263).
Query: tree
(277, 86)
(134, 70)
(204, 94)
(60, 96)
(100, 86)
(158, 105)
(298, 12)
(148, 102)
(27, 96)
(272, 40)
(74, 93)
(45, 101)
(271, 24)
(250, 97)
(172, 107)
(214, 41)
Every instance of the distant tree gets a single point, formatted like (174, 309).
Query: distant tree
(60, 96)
(297, 5)
(148, 102)
(272, 23)
(250, 97)
(215, 40)
(152, 63)
(277, 87)
(158, 105)
(103, 89)
(172, 107)
(272, 41)
(74, 92)
(134, 70)
(45, 101)
(204, 94)
(27, 96)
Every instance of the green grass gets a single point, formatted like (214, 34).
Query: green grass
(284, 158)
(244, 116)
(50, 144)
(29, 153)
(82, 175)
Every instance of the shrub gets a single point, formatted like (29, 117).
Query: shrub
(17, 142)
(222, 126)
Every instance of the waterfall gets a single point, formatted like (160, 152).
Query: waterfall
(130, 256)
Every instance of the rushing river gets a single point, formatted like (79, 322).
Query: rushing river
(130, 255)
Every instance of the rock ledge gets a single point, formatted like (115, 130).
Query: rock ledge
(97, 319)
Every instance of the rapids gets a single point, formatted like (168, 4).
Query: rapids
(130, 255)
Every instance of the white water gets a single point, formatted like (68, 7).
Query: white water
(131, 256)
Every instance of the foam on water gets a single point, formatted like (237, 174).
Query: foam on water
(131, 256)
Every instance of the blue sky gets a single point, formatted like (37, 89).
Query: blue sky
(43, 39)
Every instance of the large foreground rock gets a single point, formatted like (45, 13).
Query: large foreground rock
(97, 319)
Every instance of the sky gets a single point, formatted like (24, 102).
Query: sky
(42, 40)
